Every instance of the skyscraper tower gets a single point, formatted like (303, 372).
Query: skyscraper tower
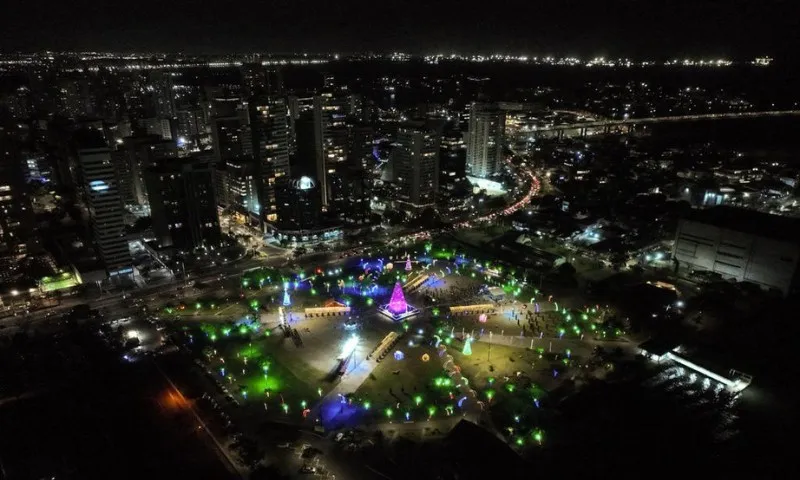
(331, 140)
(485, 140)
(322, 137)
(269, 130)
(416, 167)
(106, 211)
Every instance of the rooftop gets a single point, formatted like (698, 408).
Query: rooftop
(749, 221)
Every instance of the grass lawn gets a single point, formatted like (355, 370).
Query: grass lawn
(250, 366)
(413, 384)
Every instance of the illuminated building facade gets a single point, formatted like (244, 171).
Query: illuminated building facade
(416, 167)
(237, 187)
(485, 139)
(270, 135)
(331, 139)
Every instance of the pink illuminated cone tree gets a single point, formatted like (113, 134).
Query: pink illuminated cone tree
(397, 304)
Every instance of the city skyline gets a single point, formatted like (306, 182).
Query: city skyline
(575, 28)
(508, 237)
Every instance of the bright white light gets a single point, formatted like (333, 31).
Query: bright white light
(132, 334)
(305, 183)
(349, 347)
(98, 186)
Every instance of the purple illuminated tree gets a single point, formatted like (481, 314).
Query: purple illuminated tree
(397, 304)
(408, 264)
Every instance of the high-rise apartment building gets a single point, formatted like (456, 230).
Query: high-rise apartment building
(16, 214)
(106, 210)
(132, 158)
(160, 89)
(183, 202)
(258, 79)
(156, 126)
(416, 167)
(237, 185)
(321, 137)
(231, 136)
(485, 140)
(190, 125)
(269, 129)
(15, 206)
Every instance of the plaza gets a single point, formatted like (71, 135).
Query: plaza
(310, 346)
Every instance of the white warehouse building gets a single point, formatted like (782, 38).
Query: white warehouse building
(741, 244)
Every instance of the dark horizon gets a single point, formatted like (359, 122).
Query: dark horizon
(617, 28)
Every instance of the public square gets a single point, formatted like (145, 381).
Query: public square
(421, 334)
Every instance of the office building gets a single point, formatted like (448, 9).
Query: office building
(485, 140)
(106, 210)
(299, 205)
(742, 245)
(416, 167)
(183, 202)
(307, 157)
(269, 130)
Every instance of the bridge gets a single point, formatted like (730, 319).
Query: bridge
(607, 125)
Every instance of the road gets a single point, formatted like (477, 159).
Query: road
(673, 118)
(281, 258)
(533, 191)
(181, 400)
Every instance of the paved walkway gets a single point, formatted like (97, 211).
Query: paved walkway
(356, 374)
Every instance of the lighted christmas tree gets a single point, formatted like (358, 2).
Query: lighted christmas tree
(286, 300)
(408, 264)
(467, 346)
(397, 304)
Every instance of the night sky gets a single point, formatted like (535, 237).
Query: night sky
(638, 28)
